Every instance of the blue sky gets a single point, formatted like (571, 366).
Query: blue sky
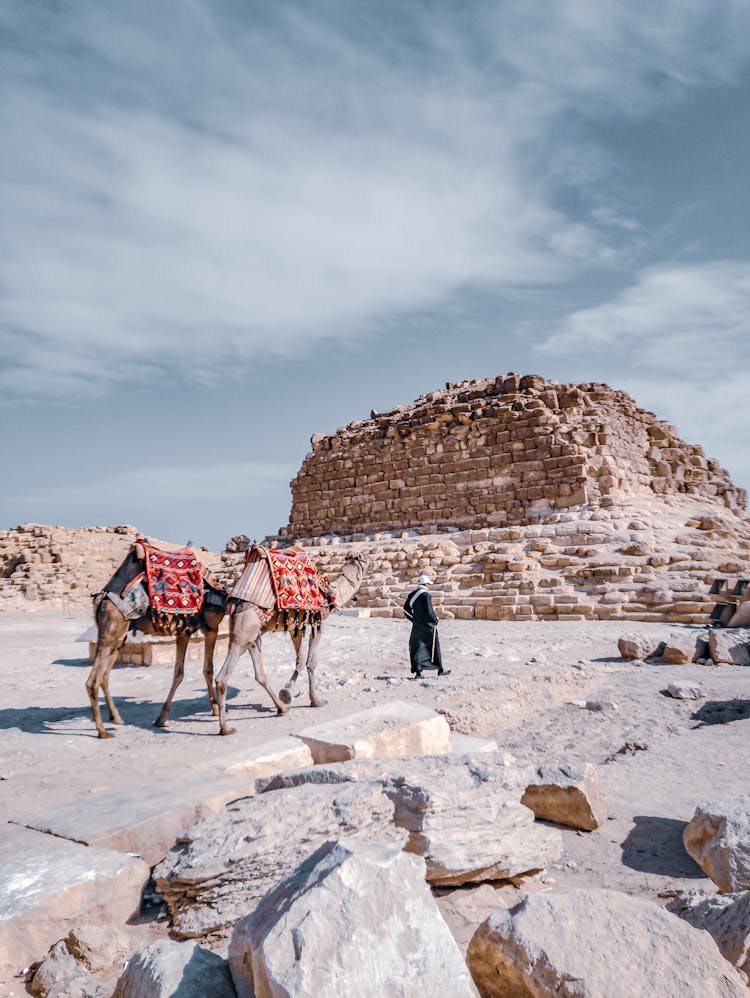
(229, 225)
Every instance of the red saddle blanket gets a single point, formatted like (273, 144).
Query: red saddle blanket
(174, 580)
(284, 580)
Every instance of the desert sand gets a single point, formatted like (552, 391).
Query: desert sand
(546, 691)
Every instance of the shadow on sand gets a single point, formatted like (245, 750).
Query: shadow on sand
(654, 845)
(136, 713)
(721, 712)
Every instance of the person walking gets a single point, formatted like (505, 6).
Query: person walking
(424, 643)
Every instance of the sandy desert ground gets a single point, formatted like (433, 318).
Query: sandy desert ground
(527, 685)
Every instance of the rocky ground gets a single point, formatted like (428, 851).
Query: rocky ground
(545, 691)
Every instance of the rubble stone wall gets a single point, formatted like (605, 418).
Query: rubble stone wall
(501, 451)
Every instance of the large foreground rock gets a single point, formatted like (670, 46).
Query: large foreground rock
(225, 863)
(726, 917)
(681, 647)
(729, 646)
(718, 839)
(596, 944)
(49, 885)
(145, 817)
(397, 728)
(569, 795)
(462, 814)
(168, 969)
(355, 919)
(253, 762)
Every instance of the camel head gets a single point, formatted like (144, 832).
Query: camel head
(353, 571)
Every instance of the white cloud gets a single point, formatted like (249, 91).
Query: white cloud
(190, 194)
(677, 341)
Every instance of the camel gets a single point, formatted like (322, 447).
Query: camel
(113, 626)
(247, 624)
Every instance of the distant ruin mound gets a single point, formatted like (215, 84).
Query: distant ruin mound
(502, 451)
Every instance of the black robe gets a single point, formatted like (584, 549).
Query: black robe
(423, 654)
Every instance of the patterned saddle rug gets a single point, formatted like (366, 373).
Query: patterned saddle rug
(174, 580)
(286, 581)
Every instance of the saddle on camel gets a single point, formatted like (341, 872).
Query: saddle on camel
(165, 593)
(281, 590)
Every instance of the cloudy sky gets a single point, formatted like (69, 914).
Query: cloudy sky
(228, 224)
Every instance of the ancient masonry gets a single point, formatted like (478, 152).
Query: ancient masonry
(524, 498)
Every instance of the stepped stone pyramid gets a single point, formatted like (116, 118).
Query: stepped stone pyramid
(524, 498)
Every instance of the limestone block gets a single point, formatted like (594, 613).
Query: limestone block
(596, 943)
(569, 795)
(170, 969)
(225, 863)
(395, 728)
(726, 917)
(638, 645)
(143, 818)
(680, 647)
(50, 885)
(718, 839)
(355, 918)
(257, 761)
(729, 646)
(467, 745)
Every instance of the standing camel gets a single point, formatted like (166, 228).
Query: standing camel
(248, 623)
(113, 627)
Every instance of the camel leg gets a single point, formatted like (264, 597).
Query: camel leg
(285, 694)
(103, 662)
(177, 676)
(312, 661)
(222, 681)
(260, 675)
(209, 643)
(114, 714)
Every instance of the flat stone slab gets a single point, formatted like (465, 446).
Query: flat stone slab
(267, 759)
(48, 885)
(396, 728)
(143, 818)
(469, 745)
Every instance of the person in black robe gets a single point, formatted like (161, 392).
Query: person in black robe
(424, 643)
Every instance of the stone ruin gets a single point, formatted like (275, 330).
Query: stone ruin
(524, 499)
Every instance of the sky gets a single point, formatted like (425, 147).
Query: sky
(228, 225)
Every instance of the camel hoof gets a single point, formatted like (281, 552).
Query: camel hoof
(116, 719)
(160, 722)
(282, 708)
(227, 731)
(105, 734)
(318, 703)
(285, 695)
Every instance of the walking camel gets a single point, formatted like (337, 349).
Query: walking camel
(248, 623)
(113, 626)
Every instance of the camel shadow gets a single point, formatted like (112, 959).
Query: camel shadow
(135, 713)
(721, 712)
(654, 845)
(78, 663)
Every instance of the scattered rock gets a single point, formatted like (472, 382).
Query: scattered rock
(718, 839)
(50, 885)
(168, 969)
(398, 728)
(600, 706)
(730, 645)
(224, 863)
(630, 947)
(569, 795)
(59, 975)
(640, 645)
(726, 917)
(356, 918)
(683, 691)
(680, 648)
(97, 947)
